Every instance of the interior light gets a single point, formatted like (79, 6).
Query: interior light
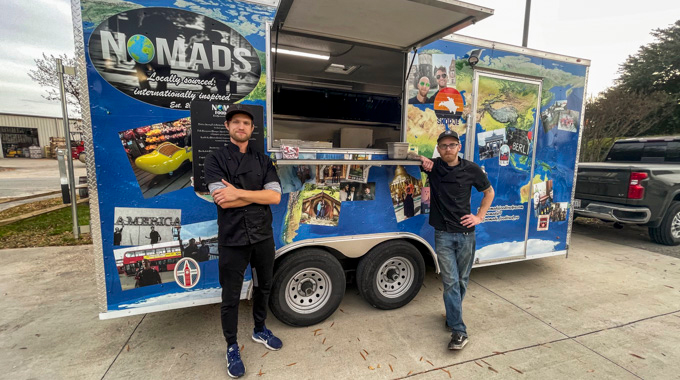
(301, 54)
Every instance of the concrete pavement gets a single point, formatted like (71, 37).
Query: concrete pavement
(607, 312)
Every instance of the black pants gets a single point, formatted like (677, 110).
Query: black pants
(232, 264)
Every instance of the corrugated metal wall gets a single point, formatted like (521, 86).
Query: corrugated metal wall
(47, 126)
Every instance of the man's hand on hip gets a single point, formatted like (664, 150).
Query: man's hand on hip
(470, 220)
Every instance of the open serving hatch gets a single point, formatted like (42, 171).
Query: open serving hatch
(336, 69)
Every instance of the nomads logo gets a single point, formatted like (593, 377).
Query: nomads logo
(170, 57)
(219, 109)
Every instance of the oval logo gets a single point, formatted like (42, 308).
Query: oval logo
(169, 57)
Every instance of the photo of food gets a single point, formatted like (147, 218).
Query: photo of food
(160, 156)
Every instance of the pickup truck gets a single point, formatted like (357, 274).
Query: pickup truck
(639, 183)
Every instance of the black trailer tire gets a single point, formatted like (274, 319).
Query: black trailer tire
(308, 287)
(390, 275)
(668, 232)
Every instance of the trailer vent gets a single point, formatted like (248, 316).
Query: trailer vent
(336, 68)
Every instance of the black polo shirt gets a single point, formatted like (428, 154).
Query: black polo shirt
(451, 188)
(249, 171)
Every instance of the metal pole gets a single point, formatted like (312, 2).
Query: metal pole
(527, 11)
(61, 69)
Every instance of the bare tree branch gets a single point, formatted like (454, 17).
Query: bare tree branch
(45, 74)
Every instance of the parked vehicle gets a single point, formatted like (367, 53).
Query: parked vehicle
(639, 183)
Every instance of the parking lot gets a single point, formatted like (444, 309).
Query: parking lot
(607, 311)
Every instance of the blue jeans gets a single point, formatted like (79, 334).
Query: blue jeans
(455, 253)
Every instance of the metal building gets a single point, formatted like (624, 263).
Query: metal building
(22, 131)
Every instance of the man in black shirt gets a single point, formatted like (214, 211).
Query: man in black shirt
(154, 236)
(451, 181)
(243, 183)
(118, 235)
(442, 82)
(191, 250)
(148, 276)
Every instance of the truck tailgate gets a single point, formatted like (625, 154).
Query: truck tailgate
(603, 180)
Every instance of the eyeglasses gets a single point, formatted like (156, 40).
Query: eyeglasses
(448, 146)
(424, 84)
(442, 76)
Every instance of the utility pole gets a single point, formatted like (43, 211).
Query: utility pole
(527, 11)
(68, 70)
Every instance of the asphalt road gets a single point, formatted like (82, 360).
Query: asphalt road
(25, 176)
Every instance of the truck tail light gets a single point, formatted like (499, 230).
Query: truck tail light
(635, 189)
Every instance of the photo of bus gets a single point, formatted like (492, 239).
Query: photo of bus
(163, 257)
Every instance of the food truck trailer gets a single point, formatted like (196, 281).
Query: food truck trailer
(341, 92)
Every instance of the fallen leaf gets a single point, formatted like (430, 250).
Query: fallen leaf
(378, 365)
(491, 368)
(485, 362)
(324, 341)
(409, 372)
(668, 286)
(371, 368)
(128, 348)
(358, 339)
(424, 285)
(637, 356)
(447, 372)
(430, 362)
(316, 331)
(260, 373)
(342, 311)
(332, 324)
(329, 347)
(479, 364)
(516, 370)
(391, 369)
(242, 348)
(393, 356)
(362, 355)
(591, 370)
(366, 352)
(421, 359)
(265, 354)
(291, 364)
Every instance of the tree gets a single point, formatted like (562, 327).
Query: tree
(45, 74)
(619, 112)
(656, 68)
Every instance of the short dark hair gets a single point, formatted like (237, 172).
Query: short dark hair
(440, 68)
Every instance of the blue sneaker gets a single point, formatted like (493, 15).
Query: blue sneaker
(235, 366)
(267, 338)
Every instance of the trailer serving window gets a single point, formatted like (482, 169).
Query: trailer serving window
(336, 81)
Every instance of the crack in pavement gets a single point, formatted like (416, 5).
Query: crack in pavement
(122, 348)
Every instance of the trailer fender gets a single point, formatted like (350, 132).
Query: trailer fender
(355, 246)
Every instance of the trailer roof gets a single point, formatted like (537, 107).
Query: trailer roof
(393, 24)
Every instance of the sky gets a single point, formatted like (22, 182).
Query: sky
(604, 31)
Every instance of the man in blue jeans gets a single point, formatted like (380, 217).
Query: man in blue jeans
(451, 181)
